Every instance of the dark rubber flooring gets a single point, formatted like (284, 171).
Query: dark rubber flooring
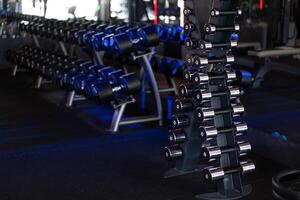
(50, 153)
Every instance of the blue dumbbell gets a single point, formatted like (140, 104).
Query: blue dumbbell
(110, 29)
(134, 40)
(163, 32)
(128, 84)
(79, 36)
(79, 81)
(114, 77)
(80, 70)
(87, 38)
(93, 85)
(97, 41)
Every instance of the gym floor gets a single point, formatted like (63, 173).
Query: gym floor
(48, 152)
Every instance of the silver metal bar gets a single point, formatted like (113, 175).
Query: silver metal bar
(98, 56)
(70, 99)
(14, 71)
(36, 41)
(274, 52)
(166, 90)
(116, 120)
(38, 82)
(142, 90)
(153, 84)
(137, 120)
(79, 98)
(63, 48)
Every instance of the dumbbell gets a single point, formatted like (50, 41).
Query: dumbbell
(202, 78)
(211, 153)
(188, 11)
(80, 70)
(135, 39)
(129, 84)
(113, 77)
(60, 74)
(180, 121)
(110, 29)
(199, 61)
(163, 32)
(217, 173)
(189, 26)
(211, 28)
(87, 38)
(207, 114)
(101, 78)
(216, 12)
(202, 96)
(204, 45)
(94, 39)
(177, 136)
(176, 34)
(187, 90)
(97, 41)
(207, 133)
(83, 83)
(173, 152)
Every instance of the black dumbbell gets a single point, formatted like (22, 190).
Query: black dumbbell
(189, 27)
(129, 84)
(207, 133)
(198, 61)
(183, 105)
(204, 45)
(180, 121)
(216, 12)
(202, 96)
(206, 114)
(187, 90)
(217, 173)
(211, 28)
(174, 151)
(202, 78)
(211, 153)
(187, 11)
(177, 136)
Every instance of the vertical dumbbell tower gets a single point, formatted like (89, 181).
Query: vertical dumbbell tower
(205, 128)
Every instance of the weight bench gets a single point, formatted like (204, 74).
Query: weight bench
(272, 60)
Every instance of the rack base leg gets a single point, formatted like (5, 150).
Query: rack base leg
(175, 172)
(247, 189)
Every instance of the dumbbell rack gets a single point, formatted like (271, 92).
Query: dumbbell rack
(212, 24)
(148, 75)
(120, 104)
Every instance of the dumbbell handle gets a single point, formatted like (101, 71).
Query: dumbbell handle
(205, 95)
(205, 114)
(173, 152)
(208, 45)
(177, 136)
(212, 152)
(201, 78)
(210, 28)
(201, 96)
(180, 121)
(216, 12)
(212, 132)
(213, 174)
